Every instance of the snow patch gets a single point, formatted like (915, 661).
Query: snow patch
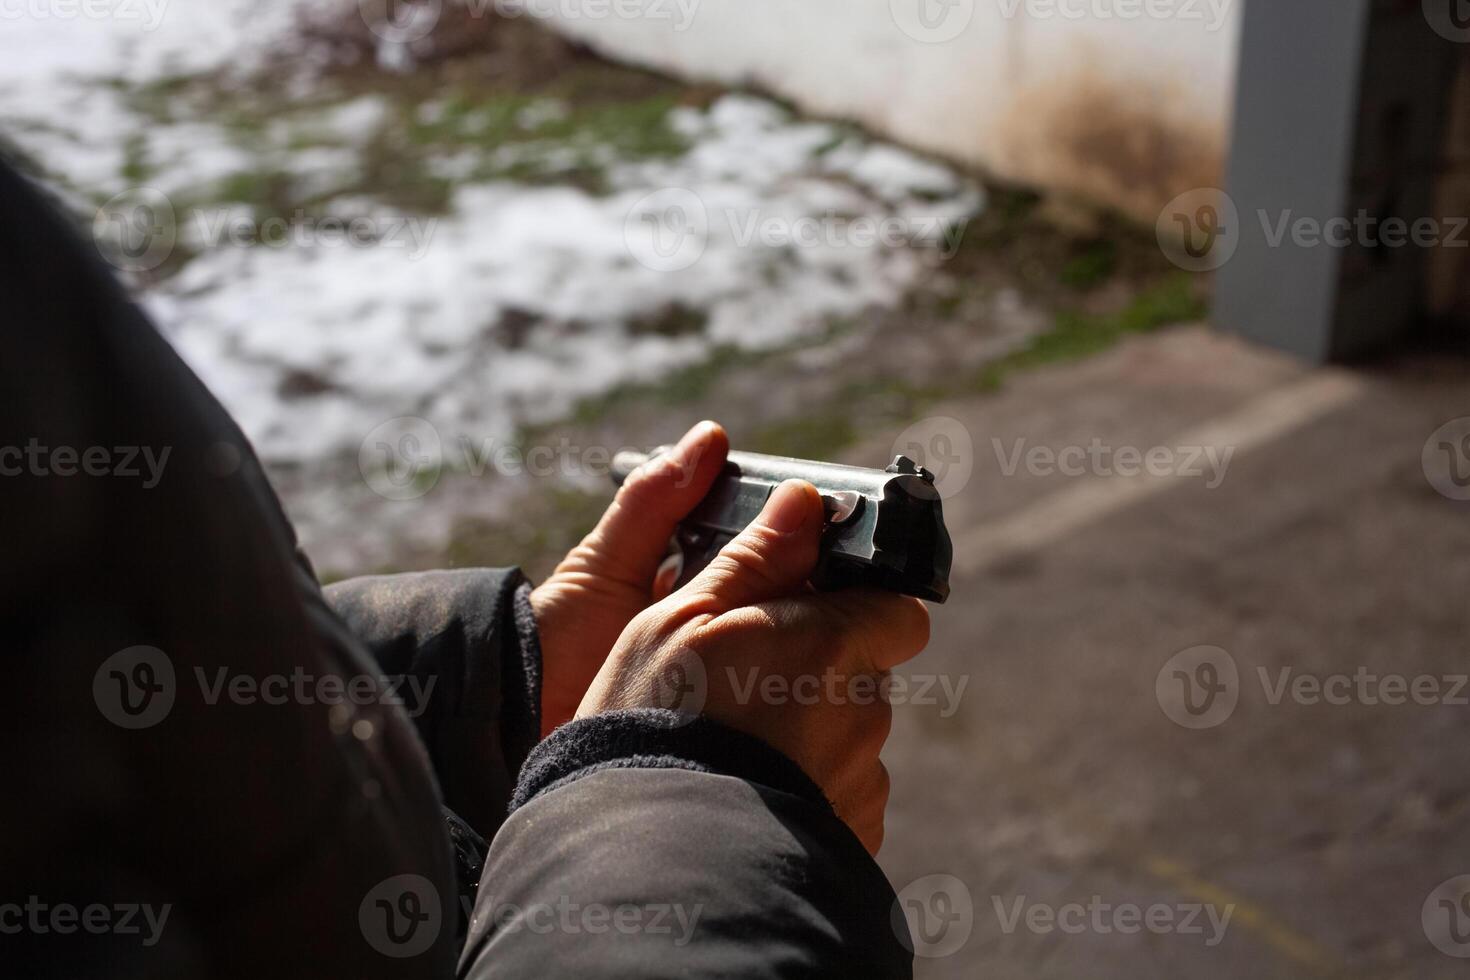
(517, 303)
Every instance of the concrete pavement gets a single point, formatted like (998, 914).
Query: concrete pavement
(1302, 826)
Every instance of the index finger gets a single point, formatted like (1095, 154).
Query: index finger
(868, 631)
(882, 629)
(634, 532)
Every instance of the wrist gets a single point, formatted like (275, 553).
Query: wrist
(562, 668)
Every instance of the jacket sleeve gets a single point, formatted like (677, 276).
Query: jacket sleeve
(462, 649)
(462, 652)
(646, 845)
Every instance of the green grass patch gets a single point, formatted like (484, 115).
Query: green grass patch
(1093, 266)
(569, 132)
(636, 129)
(538, 140)
(1076, 335)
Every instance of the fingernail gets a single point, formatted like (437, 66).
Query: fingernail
(692, 442)
(789, 508)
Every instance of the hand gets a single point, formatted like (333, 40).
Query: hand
(750, 616)
(610, 577)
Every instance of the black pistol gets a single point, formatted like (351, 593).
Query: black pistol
(885, 528)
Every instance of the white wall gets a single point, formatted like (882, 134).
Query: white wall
(1122, 101)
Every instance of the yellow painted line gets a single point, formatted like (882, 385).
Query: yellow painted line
(1258, 920)
(1260, 421)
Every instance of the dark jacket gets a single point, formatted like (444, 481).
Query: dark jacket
(221, 769)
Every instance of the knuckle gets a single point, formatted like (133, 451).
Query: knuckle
(744, 556)
(588, 553)
(745, 625)
(644, 486)
(668, 618)
(645, 630)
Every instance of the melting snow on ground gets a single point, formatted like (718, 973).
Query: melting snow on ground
(518, 302)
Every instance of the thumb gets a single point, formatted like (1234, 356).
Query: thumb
(772, 558)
